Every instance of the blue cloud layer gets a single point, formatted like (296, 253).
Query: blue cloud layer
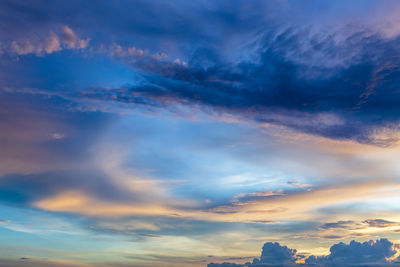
(311, 83)
(337, 82)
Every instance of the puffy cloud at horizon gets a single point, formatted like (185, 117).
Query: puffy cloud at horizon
(274, 253)
(368, 253)
(52, 42)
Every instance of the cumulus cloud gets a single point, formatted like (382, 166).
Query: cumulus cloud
(224, 264)
(49, 43)
(72, 40)
(117, 50)
(370, 253)
(274, 253)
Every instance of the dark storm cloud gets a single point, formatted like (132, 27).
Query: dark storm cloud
(336, 87)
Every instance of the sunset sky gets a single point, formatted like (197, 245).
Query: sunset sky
(179, 133)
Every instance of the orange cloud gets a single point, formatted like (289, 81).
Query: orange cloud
(297, 205)
(78, 202)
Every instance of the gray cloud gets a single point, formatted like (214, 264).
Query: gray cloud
(350, 96)
(371, 253)
(357, 253)
(339, 224)
(224, 264)
(380, 223)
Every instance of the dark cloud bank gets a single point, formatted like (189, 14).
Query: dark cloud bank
(335, 82)
(341, 86)
(370, 253)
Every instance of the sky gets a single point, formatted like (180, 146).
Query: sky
(199, 133)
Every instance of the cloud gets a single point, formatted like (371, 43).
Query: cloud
(297, 203)
(323, 84)
(224, 264)
(352, 225)
(274, 253)
(380, 223)
(297, 184)
(370, 253)
(69, 37)
(117, 50)
(47, 43)
(333, 82)
(81, 203)
(339, 224)
(57, 136)
(264, 208)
